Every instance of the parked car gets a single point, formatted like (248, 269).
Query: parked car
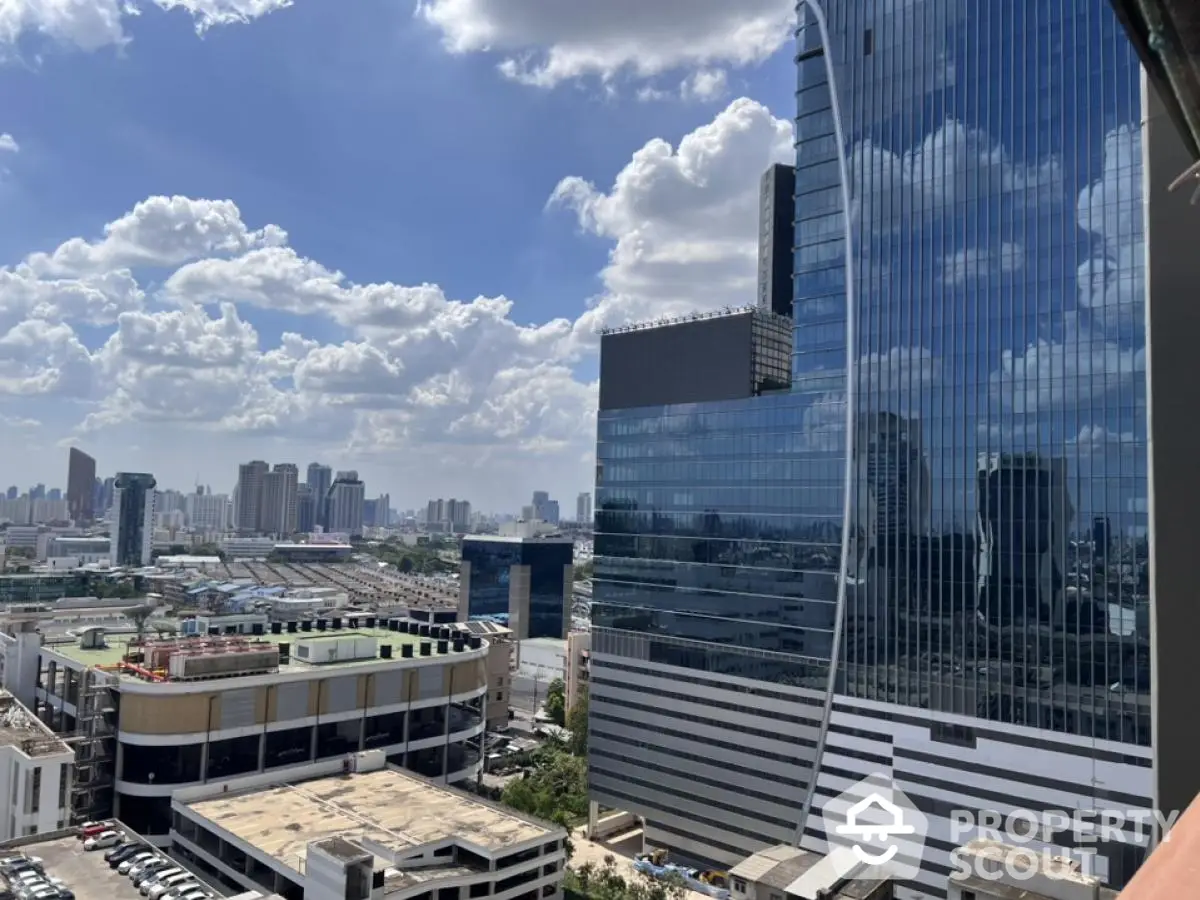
(149, 879)
(145, 868)
(135, 860)
(169, 884)
(90, 829)
(103, 839)
(18, 863)
(182, 890)
(118, 855)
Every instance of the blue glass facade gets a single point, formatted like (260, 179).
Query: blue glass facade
(997, 568)
(491, 566)
(999, 526)
(540, 570)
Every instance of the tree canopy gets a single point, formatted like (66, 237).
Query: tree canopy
(577, 724)
(556, 702)
(605, 882)
(555, 783)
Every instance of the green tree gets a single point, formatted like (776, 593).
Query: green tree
(139, 615)
(556, 783)
(577, 724)
(605, 882)
(556, 702)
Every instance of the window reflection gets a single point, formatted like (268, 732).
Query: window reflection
(999, 554)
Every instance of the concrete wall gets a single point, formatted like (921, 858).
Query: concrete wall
(18, 816)
(709, 359)
(1173, 336)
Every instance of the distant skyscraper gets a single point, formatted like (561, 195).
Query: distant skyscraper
(448, 515)
(345, 504)
(81, 486)
(248, 513)
(279, 499)
(320, 477)
(106, 496)
(207, 511)
(583, 508)
(37, 492)
(544, 508)
(13, 492)
(775, 239)
(133, 519)
(306, 509)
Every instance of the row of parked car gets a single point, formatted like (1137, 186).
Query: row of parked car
(27, 880)
(155, 875)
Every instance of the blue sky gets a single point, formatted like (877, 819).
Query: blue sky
(395, 148)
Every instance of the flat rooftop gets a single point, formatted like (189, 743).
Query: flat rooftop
(20, 728)
(117, 647)
(519, 539)
(85, 874)
(388, 807)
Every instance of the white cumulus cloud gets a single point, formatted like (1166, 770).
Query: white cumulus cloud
(545, 42)
(92, 24)
(1112, 282)
(684, 220)
(149, 331)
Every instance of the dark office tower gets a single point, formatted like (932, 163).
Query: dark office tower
(81, 486)
(133, 519)
(991, 257)
(527, 582)
(306, 509)
(13, 492)
(777, 208)
(320, 477)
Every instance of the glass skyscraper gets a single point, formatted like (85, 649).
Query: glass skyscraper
(994, 652)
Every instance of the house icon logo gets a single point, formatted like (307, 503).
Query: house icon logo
(875, 831)
(860, 828)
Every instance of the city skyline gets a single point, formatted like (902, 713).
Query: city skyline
(371, 345)
(216, 486)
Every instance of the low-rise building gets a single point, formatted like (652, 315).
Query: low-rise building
(790, 873)
(35, 773)
(85, 550)
(577, 665)
(501, 664)
(248, 547)
(153, 716)
(366, 831)
(312, 553)
(992, 870)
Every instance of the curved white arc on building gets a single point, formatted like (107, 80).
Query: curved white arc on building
(818, 13)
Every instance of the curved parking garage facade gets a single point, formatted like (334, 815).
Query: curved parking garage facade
(425, 711)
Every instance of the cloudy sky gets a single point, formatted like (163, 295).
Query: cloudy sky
(376, 233)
